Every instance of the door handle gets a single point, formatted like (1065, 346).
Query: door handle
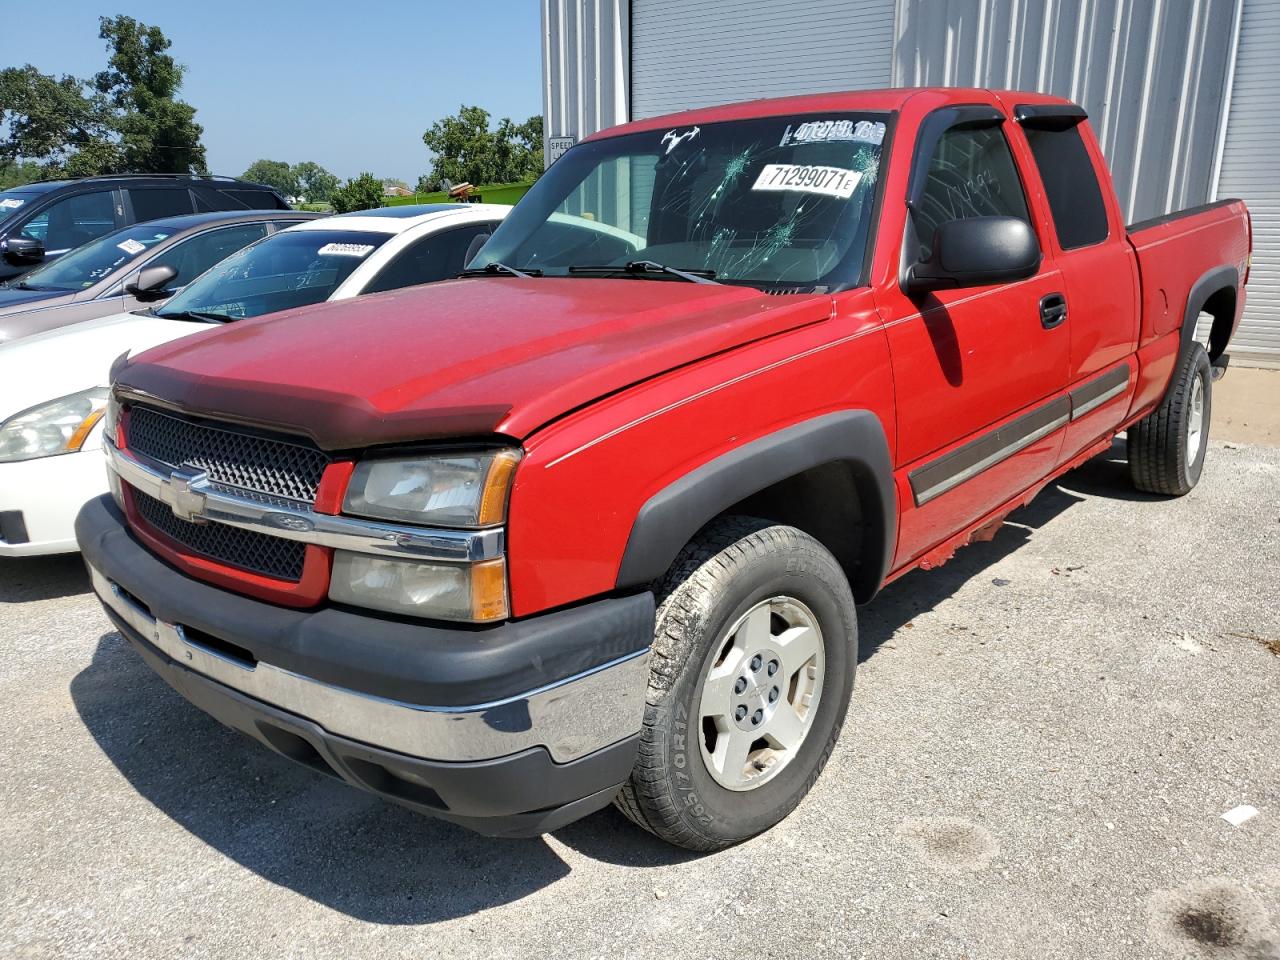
(1053, 310)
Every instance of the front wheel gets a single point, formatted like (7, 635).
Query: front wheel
(753, 662)
(1168, 446)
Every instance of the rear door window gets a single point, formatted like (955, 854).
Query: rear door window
(435, 257)
(1070, 183)
(971, 174)
(73, 221)
(153, 203)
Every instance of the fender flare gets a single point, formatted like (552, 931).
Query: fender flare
(670, 518)
(1209, 283)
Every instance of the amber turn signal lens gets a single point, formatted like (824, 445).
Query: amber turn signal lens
(497, 487)
(489, 590)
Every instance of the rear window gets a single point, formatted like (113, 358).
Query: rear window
(292, 268)
(1075, 197)
(256, 199)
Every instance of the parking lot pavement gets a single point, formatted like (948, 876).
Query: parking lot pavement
(1044, 735)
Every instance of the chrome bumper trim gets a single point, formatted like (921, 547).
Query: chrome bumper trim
(194, 497)
(571, 718)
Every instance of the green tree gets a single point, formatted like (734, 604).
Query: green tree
(359, 193)
(51, 120)
(274, 173)
(126, 119)
(463, 146)
(158, 132)
(16, 173)
(465, 149)
(518, 150)
(314, 181)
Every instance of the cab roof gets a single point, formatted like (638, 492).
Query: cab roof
(395, 220)
(884, 100)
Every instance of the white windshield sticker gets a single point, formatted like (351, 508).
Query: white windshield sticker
(345, 250)
(11, 203)
(131, 247)
(834, 131)
(828, 181)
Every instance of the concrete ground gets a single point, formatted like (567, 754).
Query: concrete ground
(1246, 406)
(1044, 736)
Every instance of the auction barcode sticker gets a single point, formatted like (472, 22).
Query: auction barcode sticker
(346, 249)
(828, 181)
(131, 247)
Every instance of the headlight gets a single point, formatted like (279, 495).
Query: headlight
(60, 426)
(445, 591)
(111, 418)
(464, 490)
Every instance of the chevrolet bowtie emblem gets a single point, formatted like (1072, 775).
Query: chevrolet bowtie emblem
(182, 495)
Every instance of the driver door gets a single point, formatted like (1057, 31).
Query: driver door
(978, 376)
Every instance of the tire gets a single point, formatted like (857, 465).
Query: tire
(1166, 453)
(704, 643)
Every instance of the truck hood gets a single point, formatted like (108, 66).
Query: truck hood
(35, 370)
(461, 358)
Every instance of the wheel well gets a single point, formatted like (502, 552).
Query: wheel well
(832, 504)
(1221, 305)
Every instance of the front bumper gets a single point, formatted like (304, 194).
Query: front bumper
(510, 730)
(42, 496)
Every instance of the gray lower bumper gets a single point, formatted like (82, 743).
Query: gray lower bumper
(571, 718)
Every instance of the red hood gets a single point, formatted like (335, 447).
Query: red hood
(460, 358)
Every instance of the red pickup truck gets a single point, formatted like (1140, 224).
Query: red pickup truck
(589, 523)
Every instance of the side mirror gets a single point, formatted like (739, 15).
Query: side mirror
(23, 251)
(151, 282)
(977, 251)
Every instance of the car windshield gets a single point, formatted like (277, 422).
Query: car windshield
(782, 203)
(293, 268)
(13, 200)
(97, 259)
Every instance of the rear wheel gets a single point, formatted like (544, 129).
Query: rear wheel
(753, 662)
(1167, 448)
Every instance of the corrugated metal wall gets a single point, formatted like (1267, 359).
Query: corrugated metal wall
(1155, 76)
(1151, 73)
(688, 54)
(585, 52)
(1251, 169)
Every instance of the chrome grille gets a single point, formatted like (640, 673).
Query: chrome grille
(276, 467)
(256, 552)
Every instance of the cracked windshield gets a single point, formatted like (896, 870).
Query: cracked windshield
(781, 203)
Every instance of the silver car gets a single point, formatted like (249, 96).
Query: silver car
(130, 268)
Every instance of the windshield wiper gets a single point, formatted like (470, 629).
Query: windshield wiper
(195, 315)
(495, 268)
(23, 285)
(641, 268)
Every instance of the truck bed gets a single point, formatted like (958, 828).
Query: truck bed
(1175, 251)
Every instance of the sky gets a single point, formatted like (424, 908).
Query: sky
(351, 86)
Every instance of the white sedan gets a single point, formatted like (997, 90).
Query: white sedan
(53, 386)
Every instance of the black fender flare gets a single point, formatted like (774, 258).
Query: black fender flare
(670, 518)
(1209, 283)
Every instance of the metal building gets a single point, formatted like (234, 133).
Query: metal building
(1177, 90)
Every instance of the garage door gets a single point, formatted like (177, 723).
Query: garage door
(686, 55)
(1251, 170)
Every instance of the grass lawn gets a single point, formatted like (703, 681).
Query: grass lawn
(507, 193)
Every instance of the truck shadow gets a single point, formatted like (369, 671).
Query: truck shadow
(1106, 475)
(42, 578)
(380, 863)
(334, 844)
